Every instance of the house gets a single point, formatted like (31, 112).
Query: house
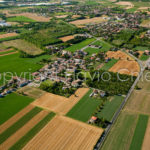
(92, 120)
(147, 52)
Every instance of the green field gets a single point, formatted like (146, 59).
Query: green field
(121, 133)
(84, 109)
(19, 19)
(17, 125)
(9, 38)
(28, 136)
(108, 65)
(144, 57)
(7, 52)
(12, 104)
(139, 133)
(16, 65)
(105, 46)
(141, 48)
(110, 107)
(80, 45)
(92, 50)
(24, 46)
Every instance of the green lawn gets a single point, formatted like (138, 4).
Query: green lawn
(12, 104)
(19, 19)
(108, 65)
(16, 65)
(84, 109)
(92, 50)
(144, 57)
(121, 133)
(28, 136)
(139, 133)
(80, 45)
(105, 46)
(17, 125)
(110, 107)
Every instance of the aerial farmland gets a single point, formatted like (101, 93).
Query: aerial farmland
(74, 75)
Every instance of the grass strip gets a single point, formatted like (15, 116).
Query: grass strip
(139, 133)
(20, 123)
(7, 52)
(26, 138)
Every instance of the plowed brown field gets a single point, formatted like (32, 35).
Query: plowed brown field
(58, 103)
(21, 132)
(63, 133)
(15, 118)
(126, 67)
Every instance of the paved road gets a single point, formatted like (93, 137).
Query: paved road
(107, 130)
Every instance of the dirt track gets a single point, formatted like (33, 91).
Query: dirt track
(126, 67)
(63, 133)
(15, 118)
(146, 144)
(21, 132)
(58, 103)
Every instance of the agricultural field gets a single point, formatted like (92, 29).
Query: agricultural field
(7, 35)
(67, 38)
(20, 19)
(121, 133)
(31, 92)
(140, 99)
(118, 55)
(16, 65)
(23, 46)
(132, 125)
(49, 33)
(58, 103)
(31, 120)
(110, 64)
(139, 133)
(89, 21)
(145, 23)
(141, 48)
(126, 67)
(82, 136)
(7, 52)
(80, 45)
(31, 16)
(127, 5)
(144, 57)
(110, 107)
(105, 46)
(84, 109)
(146, 145)
(12, 104)
(91, 51)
